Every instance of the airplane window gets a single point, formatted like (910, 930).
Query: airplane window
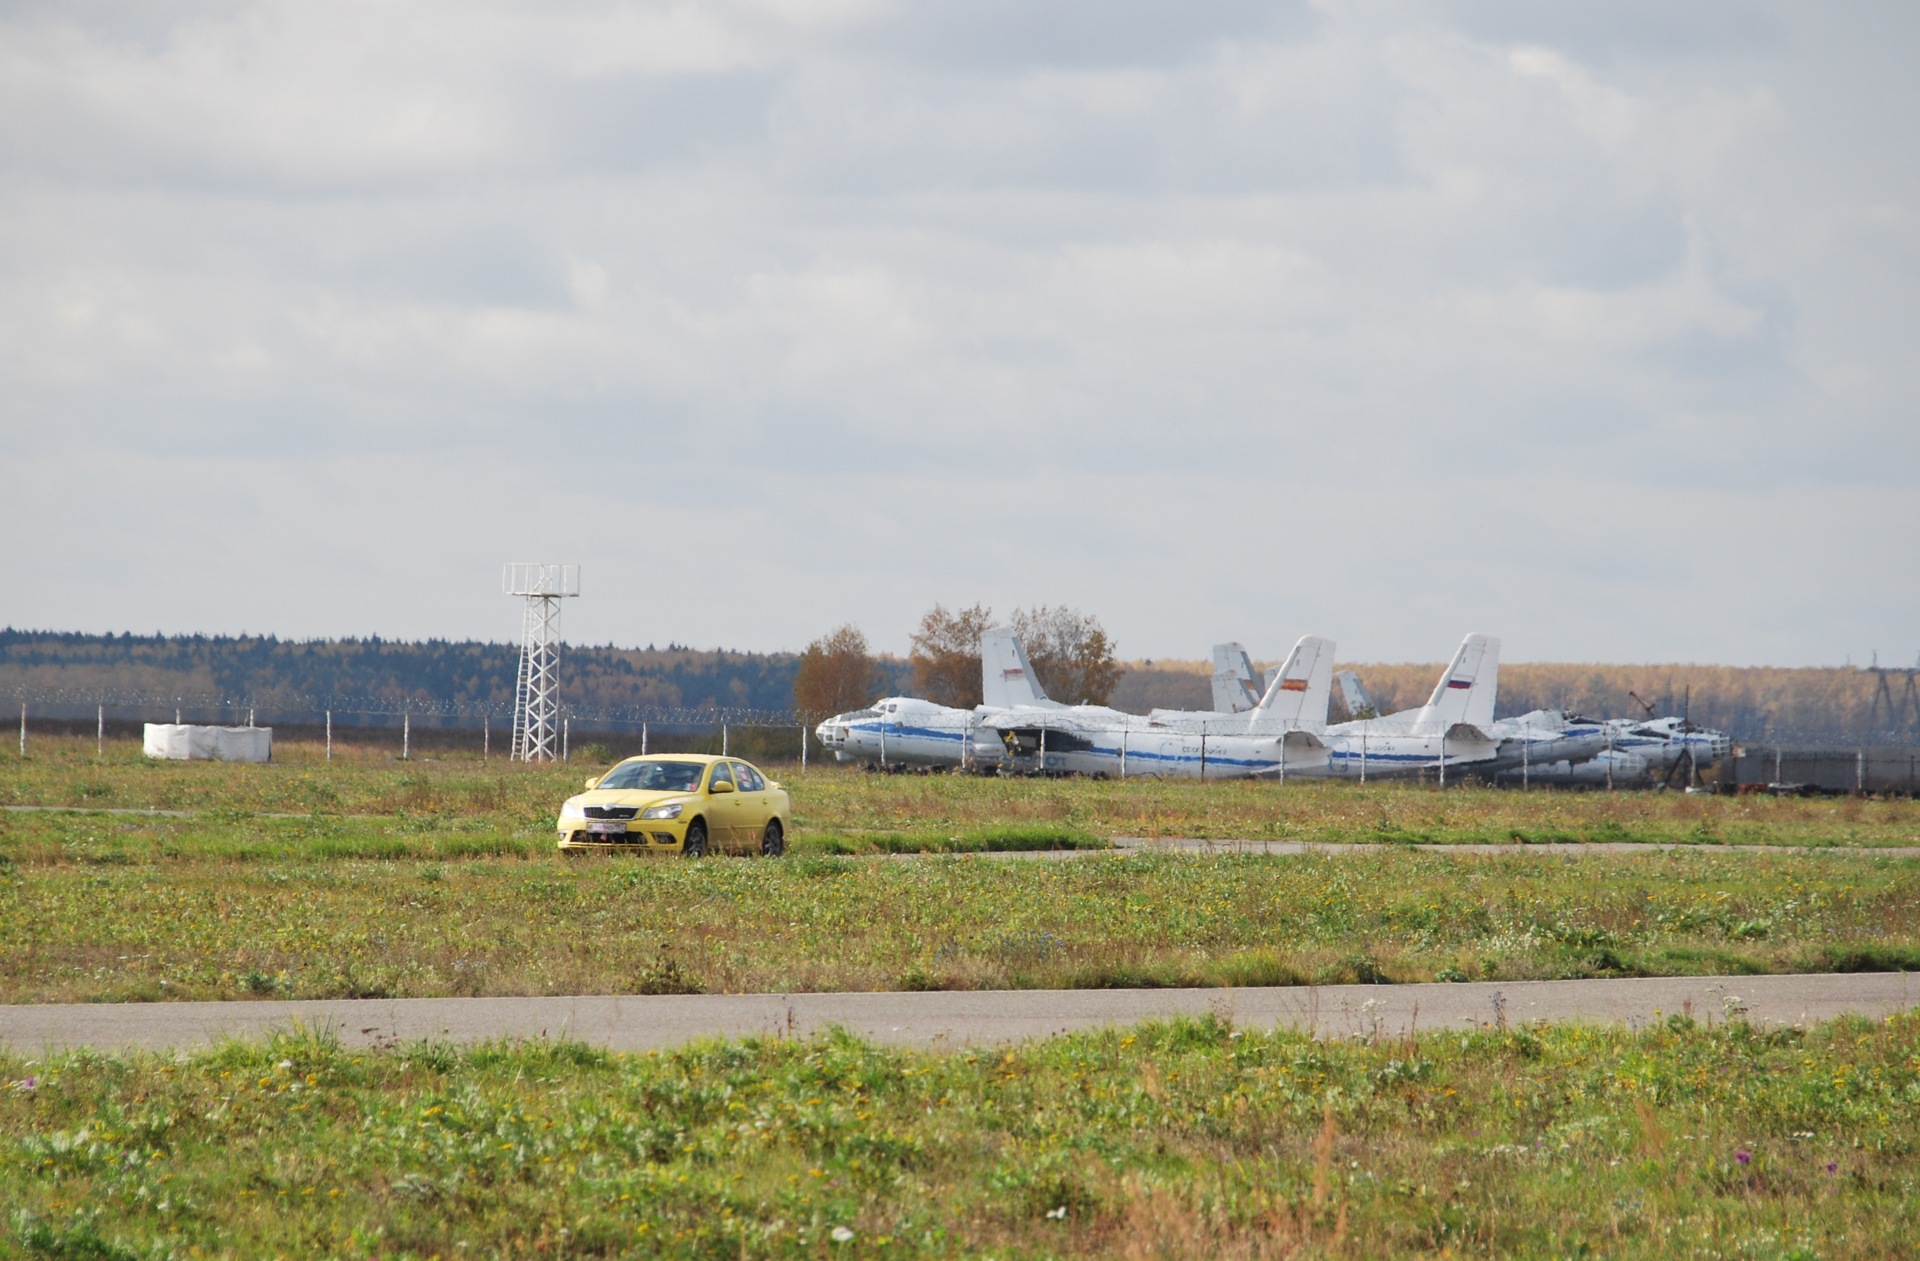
(720, 775)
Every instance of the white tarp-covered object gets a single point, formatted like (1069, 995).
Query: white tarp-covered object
(220, 744)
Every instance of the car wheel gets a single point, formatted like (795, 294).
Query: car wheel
(773, 841)
(696, 843)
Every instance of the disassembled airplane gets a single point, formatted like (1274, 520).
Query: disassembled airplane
(1281, 731)
(1040, 734)
(903, 730)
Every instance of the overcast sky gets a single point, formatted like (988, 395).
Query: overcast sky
(1591, 326)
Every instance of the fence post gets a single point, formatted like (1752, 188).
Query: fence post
(486, 738)
(329, 735)
(1283, 757)
(723, 737)
(643, 739)
(249, 715)
(100, 732)
(803, 744)
(1203, 755)
(1443, 759)
(1363, 755)
(1526, 764)
(1123, 752)
(23, 728)
(566, 725)
(406, 734)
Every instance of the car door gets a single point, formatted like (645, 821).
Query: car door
(723, 809)
(756, 805)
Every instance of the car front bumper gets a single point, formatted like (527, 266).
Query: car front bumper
(638, 834)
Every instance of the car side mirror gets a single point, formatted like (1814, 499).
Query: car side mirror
(592, 780)
(722, 787)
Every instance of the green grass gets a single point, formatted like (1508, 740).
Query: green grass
(110, 908)
(1191, 1138)
(441, 879)
(844, 802)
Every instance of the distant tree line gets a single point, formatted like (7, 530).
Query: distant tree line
(1070, 652)
(468, 673)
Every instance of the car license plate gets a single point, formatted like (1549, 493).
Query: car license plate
(607, 827)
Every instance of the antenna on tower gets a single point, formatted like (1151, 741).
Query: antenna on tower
(535, 703)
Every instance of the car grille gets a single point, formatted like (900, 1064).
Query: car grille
(611, 812)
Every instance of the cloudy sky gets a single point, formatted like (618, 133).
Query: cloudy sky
(1591, 326)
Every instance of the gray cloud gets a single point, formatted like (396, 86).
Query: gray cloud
(1218, 320)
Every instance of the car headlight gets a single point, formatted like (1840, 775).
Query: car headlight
(573, 809)
(670, 810)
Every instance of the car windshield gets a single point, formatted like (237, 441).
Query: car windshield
(654, 776)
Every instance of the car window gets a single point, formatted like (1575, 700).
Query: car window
(654, 776)
(720, 776)
(748, 778)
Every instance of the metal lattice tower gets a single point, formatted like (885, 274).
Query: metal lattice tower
(535, 690)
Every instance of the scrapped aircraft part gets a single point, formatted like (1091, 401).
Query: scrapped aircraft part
(1615, 768)
(1024, 741)
(187, 742)
(1007, 677)
(1236, 686)
(1354, 696)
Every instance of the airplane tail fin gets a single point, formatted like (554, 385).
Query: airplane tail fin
(1466, 690)
(1354, 695)
(1298, 695)
(1006, 676)
(1236, 687)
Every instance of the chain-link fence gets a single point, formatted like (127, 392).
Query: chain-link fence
(416, 723)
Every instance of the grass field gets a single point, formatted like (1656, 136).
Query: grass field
(109, 908)
(1173, 1140)
(440, 879)
(845, 806)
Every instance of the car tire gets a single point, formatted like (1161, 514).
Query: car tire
(773, 841)
(695, 845)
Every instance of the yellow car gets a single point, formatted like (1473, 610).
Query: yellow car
(685, 803)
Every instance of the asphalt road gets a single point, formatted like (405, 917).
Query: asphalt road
(634, 1023)
(1194, 845)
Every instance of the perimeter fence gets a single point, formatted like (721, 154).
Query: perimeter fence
(429, 722)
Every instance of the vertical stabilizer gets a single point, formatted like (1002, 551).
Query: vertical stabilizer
(1354, 695)
(1298, 695)
(1465, 692)
(1006, 676)
(1236, 688)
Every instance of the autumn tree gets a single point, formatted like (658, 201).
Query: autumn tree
(1072, 657)
(837, 673)
(946, 655)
